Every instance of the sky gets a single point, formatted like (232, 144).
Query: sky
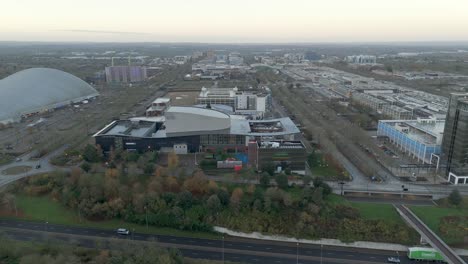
(234, 21)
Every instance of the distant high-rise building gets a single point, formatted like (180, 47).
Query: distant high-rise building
(455, 142)
(362, 59)
(125, 74)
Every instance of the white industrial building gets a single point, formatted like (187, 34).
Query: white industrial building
(418, 138)
(362, 59)
(252, 103)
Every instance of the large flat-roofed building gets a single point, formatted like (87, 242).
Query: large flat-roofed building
(455, 142)
(362, 59)
(197, 128)
(252, 103)
(287, 154)
(396, 112)
(224, 96)
(418, 138)
(125, 74)
(158, 107)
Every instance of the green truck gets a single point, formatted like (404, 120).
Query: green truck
(420, 253)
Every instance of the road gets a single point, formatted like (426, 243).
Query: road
(235, 249)
(26, 161)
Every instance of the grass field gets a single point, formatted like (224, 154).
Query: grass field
(373, 211)
(370, 211)
(42, 209)
(432, 215)
(5, 158)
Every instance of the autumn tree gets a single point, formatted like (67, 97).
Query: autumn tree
(172, 160)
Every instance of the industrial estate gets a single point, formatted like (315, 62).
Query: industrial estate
(219, 147)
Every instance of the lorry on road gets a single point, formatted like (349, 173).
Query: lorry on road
(425, 254)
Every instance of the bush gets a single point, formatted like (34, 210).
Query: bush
(269, 167)
(85, 167)
(265, 179)
(282, 181)
(455, 198)
(90, 154)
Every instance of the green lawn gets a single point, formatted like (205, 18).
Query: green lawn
(44, 209)
(432, 215)
(373, 211)
(325, 172)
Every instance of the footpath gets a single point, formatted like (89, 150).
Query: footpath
(325, 242)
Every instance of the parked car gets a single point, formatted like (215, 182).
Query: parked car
(18, 159)
(393, 260)
(123, 231)
(38, 166)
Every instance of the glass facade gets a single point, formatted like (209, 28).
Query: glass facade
(222, 140)
(406, 144)
(455, 142)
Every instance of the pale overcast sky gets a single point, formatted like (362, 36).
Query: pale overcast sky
(234, 20)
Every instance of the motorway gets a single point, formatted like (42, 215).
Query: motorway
(235, 249)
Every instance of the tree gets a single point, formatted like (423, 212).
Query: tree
(455, 198)
(318, 182)
(213, 203)
(149, 168)
(185, 200)
(282, 181)
(172, 160)
(269, 167)
(223, 196)
(85, 167)
(265, 180)
(90, 154)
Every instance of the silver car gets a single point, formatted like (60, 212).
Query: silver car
(123, 231)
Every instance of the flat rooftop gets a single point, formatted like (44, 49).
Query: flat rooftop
(281, 145)
(424, 132)
(147, 126)
(128, 128)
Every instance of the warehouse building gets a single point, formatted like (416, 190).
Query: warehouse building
(283, 154)
(418, 138)
(39, 90)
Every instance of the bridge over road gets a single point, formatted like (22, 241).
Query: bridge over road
(435, 241)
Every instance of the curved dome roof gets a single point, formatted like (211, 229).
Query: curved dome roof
(184, 120)
(39, 89)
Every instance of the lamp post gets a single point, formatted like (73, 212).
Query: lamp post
(223, 249)
(321, 248)
(146, 216)
(297, 253)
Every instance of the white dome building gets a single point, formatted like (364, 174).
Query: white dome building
(40, 89)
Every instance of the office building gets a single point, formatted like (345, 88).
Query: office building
(455, 142)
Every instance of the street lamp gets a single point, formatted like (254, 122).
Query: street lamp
(341, 185)
(146, 216)
(297, 253)
(223, 248)
(321, 248)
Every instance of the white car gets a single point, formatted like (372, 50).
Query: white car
(123, 231)
(393, 260)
